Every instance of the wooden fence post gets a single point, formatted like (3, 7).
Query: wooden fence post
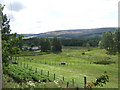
(48, 73)
(54, 76)
(41, 72)
(85, 81)
(63, 78)
(67, 84)
(73, 82)
(36, 70)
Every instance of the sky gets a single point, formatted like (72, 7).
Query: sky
(39, 16)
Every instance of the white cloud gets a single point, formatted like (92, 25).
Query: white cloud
(48, 15)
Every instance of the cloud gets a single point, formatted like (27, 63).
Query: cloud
(15, 6)
(36, 16)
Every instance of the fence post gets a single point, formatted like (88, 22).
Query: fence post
(73, 82)
(63, 78)
(48, 73)
(67, 84)
(41, 72)
(84, 81)
(36, 70)
(54, 76)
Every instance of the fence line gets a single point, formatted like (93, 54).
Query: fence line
(20, 63)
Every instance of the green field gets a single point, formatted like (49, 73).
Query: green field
(77, 65)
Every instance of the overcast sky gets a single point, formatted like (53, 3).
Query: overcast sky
(37, 16)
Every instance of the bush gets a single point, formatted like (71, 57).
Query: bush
(83, 53)
(100, 81)
(104, 62)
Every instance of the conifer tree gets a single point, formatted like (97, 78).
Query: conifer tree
(10, 41)
(45, 45)
(48, 44)
(57, 46)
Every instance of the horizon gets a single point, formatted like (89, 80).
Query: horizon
(68, 30)
(46, 16)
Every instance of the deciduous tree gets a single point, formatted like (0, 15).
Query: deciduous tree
(110, 41)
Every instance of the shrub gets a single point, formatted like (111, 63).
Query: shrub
(100, 81)
(104, 62)
(83, 53)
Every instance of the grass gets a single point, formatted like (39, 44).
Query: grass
(78, 65)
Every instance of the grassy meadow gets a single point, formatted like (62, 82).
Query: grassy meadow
(77, 65)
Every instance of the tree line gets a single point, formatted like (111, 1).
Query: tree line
(109, 41)
(83, 42)
(45, 44)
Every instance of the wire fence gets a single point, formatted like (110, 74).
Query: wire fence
(52, 76)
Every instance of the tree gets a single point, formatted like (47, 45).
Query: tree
(42, 43)
(110, 41)
(10, 42)
(48, 44)
(31, 46)
(57, 47)
(117, 40)
(45, 44)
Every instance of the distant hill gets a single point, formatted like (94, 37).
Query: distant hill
(73, 33)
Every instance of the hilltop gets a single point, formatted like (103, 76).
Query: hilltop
(73, 33)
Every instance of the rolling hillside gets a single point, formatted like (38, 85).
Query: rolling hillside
(73, 33)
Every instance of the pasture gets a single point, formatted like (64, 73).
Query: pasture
(77, 65)
(92, 64)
